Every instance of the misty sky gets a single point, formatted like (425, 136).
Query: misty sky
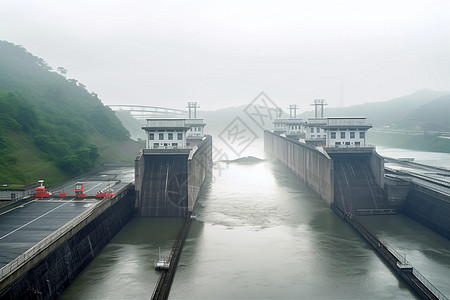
(224, 53)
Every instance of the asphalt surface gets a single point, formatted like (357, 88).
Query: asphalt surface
(441, 174)
(25, 223)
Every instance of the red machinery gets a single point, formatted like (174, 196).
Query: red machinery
(106, 192)
(40, 191)
(79, 190)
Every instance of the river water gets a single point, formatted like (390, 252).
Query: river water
(262, 234)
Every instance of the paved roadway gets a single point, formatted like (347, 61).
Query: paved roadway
(26, 222)
(434, 177)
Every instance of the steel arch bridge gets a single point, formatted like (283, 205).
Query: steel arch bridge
(145, 112)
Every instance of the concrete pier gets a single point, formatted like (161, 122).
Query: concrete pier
(162, 289)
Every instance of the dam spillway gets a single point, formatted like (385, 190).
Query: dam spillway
(168, 180)
(350, 178)
(355, 186)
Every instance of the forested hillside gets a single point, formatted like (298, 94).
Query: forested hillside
(433, 116)
(51, 127)
(383, 113)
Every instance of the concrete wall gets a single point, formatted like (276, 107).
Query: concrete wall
(314, 167)
(15, 195)
(168, 181)
(199, 163)
(377, 167)
(161, 184)
(396, 191)
(355, 184)
(429, 207)
(50, 266)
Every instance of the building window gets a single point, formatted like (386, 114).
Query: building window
(155, 145)
(170, 136)
(175, 145)
(361, 134)
(352, 135)
(312, 129)
(161, 136)
(342, 134)
(151, 136)
(179, 136)
(333, 135)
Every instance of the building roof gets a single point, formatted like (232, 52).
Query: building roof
(166, 123)
(195, 122)
(288, 121)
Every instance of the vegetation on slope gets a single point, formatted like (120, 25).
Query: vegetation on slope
(133, 125)
(384, 113)
(50, 122)
(431, 117)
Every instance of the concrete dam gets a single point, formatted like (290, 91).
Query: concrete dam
(48, 267)
(168, 182)
(352, 181)
(355, 186)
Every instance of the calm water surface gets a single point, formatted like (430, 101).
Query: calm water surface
(261, 234)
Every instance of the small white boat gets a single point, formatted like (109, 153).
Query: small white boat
(161, 263)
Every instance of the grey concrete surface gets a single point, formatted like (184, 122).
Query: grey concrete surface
(26, 222)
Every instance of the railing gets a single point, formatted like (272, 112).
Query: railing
(350, 146)
(401, 258)
(170, 147)
(402, 263)
(429, 285)
(419, 176)
(406, 264)
(162, 288)
(58, 234)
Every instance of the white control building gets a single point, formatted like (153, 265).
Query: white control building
(166, 133)
(346, 132)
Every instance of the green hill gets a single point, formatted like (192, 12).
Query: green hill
(51, 127)
(433, 116)
(417, 121)
(384, 113)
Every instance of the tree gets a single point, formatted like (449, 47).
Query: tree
(62, 71)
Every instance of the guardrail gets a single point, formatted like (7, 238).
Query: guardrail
(55, 238)
(419, 176)
(429, 285)
(368, 146)
(405, 263)
(162, 288)
(407, 270)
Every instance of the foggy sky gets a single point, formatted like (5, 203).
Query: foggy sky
(165, 53)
